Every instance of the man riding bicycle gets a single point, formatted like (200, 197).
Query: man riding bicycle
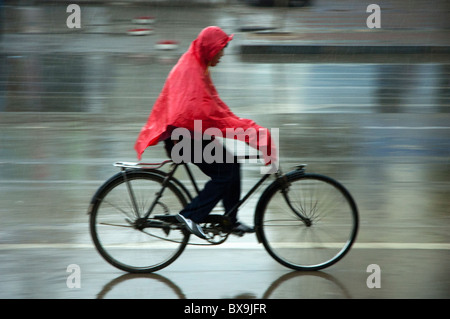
(188, 96)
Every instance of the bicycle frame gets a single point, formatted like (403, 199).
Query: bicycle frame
(242, 200)
(169, 177)
(194, 183)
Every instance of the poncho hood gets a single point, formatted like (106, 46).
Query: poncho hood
(189, 95)
(208, 43)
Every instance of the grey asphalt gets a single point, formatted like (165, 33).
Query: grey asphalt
(72, 103)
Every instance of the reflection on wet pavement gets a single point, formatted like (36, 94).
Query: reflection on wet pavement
(382, 128)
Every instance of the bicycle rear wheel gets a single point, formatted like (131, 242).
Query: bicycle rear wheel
(327, 230)
(120, 234)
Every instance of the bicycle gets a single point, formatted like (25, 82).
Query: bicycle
(305, 221)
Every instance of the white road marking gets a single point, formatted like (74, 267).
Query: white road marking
(248, 245)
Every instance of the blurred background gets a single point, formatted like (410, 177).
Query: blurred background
(367, 106)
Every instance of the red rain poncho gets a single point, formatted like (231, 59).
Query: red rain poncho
(190, 95)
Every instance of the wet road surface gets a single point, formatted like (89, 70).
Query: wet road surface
(380, 126)
(382, 130)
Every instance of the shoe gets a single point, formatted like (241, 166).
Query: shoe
(240, 229)
(192, 227)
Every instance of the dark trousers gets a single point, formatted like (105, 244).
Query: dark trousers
(225, 185)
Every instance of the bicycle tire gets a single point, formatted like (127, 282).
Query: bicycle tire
(329, 207)
(112, 222)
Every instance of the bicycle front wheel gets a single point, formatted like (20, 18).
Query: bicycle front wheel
(120, 233)
(308, 223)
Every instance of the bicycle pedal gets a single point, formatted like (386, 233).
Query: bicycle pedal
(166, 230)
(238, 233)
